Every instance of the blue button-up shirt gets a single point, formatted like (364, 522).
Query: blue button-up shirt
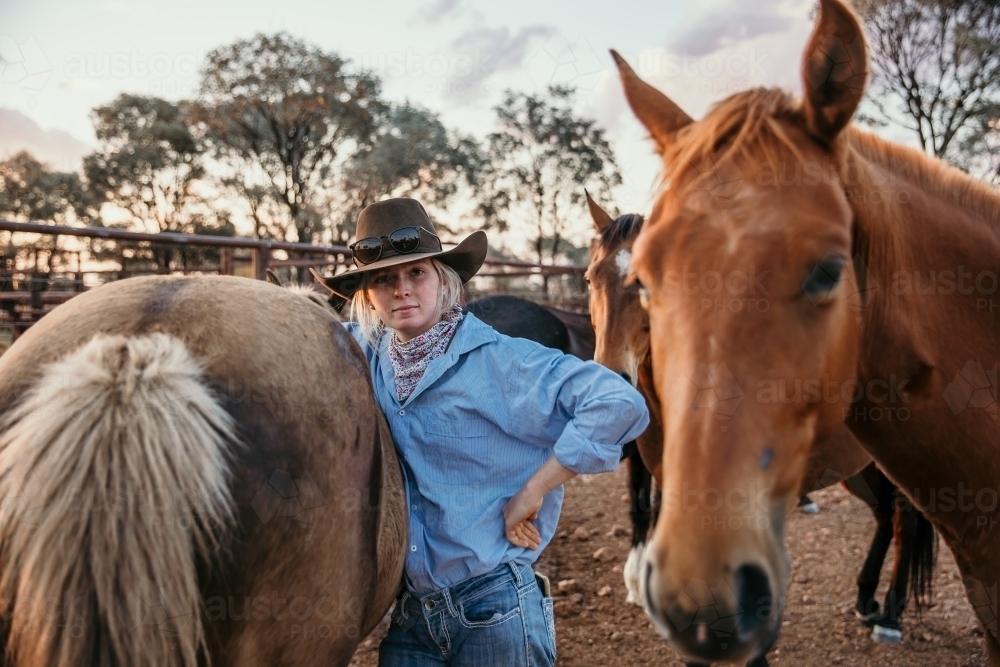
(483, 418)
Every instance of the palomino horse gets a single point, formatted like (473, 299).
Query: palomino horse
(186, 482)
(825, 229)
(622, 328)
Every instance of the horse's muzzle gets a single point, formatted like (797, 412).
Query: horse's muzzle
(735, 621)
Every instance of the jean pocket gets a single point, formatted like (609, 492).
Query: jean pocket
(550, 625)
(496, 607)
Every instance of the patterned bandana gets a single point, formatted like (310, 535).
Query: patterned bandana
(410, 359)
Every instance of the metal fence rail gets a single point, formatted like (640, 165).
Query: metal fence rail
(25, 296)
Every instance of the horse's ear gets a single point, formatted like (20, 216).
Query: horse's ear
(655, 110)
(834, 70)
(272, 278)
(600, 216)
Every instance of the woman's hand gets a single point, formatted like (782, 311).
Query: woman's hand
(523, 508)
(518, 514)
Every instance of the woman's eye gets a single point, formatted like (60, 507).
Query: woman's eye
(381, 279)
(823, 277)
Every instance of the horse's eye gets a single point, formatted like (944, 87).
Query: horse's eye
(824, 277)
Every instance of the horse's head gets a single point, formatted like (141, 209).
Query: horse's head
(746, 272)
(620, 323)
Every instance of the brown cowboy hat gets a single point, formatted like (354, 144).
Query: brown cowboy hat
(381, 219)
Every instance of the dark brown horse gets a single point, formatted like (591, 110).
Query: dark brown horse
(831, 227)
(551, 327)
(186, 482)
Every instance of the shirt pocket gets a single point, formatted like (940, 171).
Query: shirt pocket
(457, 451)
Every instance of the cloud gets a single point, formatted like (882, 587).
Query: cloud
(719, 26)
(492, 50)
(437, 10)
(20, 133)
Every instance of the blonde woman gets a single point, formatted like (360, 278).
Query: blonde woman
(488, 429)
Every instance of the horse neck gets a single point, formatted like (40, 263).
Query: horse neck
(924, 234)
(916, 220)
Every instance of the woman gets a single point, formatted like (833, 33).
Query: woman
(488, 429)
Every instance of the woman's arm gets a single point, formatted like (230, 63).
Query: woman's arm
(523, 508)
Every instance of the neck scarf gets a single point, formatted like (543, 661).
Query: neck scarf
(410, 359)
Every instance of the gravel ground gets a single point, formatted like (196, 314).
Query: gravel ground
(827, 551)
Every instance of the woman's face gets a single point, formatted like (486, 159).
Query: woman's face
(406, 297)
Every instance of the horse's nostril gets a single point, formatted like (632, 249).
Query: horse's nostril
(754, 592)
(627, 377)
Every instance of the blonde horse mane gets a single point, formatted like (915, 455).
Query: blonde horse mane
(117, 459)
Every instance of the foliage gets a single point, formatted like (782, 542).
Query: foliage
(412, 154)
(29, 191)
(150, 166)
(280, 113)
(936, 72)
(537, 166)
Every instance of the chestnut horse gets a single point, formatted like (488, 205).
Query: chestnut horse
(622, 328)
(185, 482)
(823, 229)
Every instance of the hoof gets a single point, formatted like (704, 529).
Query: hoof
(807, 506)
(882, 635)
(631, 574)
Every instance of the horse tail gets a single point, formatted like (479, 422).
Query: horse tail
(114, 471)
(922, 559)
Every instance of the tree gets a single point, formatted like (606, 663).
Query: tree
(412, 154)
(936, 72)
(30, 191)
(281, 113)
(538, 164)
(150, 166)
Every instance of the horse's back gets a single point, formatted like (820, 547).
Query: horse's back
(520, 318)
(297, 581)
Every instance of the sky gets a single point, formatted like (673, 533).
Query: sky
(61, 58)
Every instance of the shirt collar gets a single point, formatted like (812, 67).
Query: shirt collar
(470, 334)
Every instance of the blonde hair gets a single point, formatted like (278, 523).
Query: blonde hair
(372, 328)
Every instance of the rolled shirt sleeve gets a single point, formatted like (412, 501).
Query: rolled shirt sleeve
(585, 409)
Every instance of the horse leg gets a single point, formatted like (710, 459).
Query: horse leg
(640, 484)
(886, 628)
(868, 485)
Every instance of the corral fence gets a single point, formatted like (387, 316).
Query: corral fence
(31, 287)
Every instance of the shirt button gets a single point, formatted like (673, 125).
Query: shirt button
(413, 507)
(413, 547)
(402, 412)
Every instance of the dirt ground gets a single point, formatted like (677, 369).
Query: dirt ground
(819, 628)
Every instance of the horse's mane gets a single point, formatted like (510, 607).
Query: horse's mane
(622, 228)
(928, 174)
(752, 120)
(742, 122)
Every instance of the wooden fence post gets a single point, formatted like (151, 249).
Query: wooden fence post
(261, 256)
(226, 261)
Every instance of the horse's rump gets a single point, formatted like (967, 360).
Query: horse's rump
(314, 553)
(114, 425)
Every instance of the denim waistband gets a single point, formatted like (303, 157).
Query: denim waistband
(445, 600)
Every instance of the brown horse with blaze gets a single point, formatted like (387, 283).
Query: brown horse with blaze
(824, 216)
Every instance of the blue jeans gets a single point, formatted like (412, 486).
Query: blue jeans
(498, 619)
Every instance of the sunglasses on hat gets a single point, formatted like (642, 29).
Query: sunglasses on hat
(403, 240)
